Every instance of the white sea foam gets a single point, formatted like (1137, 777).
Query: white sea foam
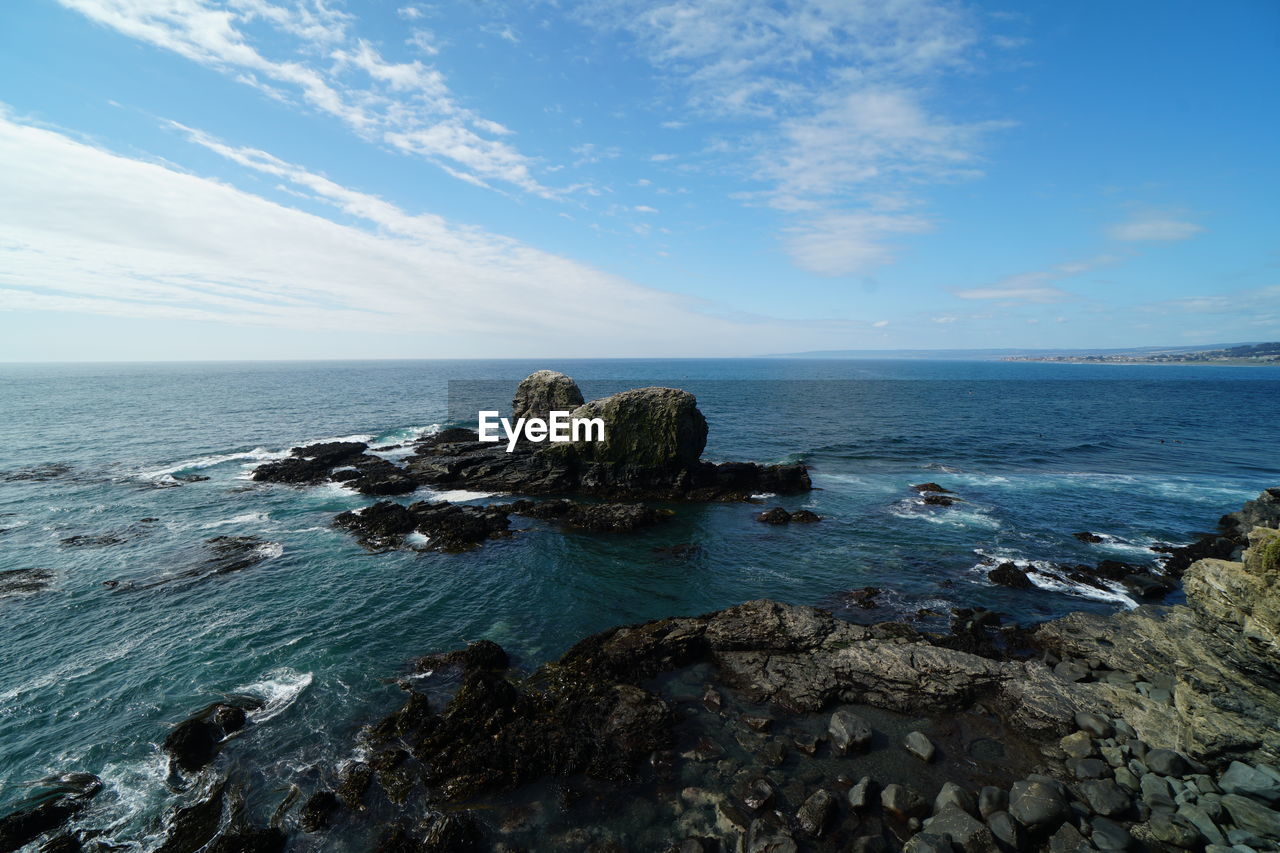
(258, 454)
(269, 550)
(956, 515)
(455, 495)
(764, 496)
(1048, 576)
(246, 518)
(417, 539)
(278, 689)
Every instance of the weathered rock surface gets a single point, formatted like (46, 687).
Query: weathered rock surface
(193, 743)
(1219, 654)
(543, 392)
(55, 801)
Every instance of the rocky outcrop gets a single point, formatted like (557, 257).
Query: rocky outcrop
(1204, 676)
(652, 449)
(193, 743)
(543, 392)
(55, 801)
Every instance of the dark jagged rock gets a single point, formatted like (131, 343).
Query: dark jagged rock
(543, 392)
(939, 500)
(1086, 536)
(481, 655)
(37, 474)
(804, 516)
(15, 583)
(930, 487)
(195, 742)
(600, 517)
(85, 540)
(317, 811)
(447, 527)
(229, 554)
(653, 440)
(777, 515)
(55, 801)
(353, 784)
(1008, 574)
(310, 464)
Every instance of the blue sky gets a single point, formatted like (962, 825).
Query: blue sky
(596, 178)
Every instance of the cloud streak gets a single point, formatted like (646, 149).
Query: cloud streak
(89, 231)
(407, 105)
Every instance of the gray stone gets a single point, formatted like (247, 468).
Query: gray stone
(1113, 755)
(902, 802)
(1197, 817)
(927, 842)
(869, 844)
(919, 745)
(543, 392)
(1125, 779)
(1124, 730)
(1006, 830)
(1105, 797)
(817, 813)
(1137, 748)
(1077, 745)
(1038, 805)
(991, 800)
(861, 793)
(1166, 762)
(1155, 791)
(759, 794)
(958, 796)
(1071, 671)
(849, 732)
(1172, 830)
(1088, 768)
(768, 837)
(1253, 816)
(966, 832)
(1109, 835)
(1068, 840)
(1240, 778)
(1095, 725)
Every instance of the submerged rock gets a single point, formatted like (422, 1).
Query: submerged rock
(55, 801)
(16, 583)
(196, 741)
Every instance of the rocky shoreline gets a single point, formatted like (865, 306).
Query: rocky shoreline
(765, 726)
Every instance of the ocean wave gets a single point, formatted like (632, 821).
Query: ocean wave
(278, 689)
(1049, 576)
(246, 518)
(956, 515)
(258, 454)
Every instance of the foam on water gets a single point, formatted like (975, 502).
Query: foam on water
(1049, 577)
(278, 689)
(245, 518)
(258, 454)
(453, 495)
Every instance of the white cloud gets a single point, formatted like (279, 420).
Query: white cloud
(844, 243)
(644, 208)
(1153, 229)
(405, 104)
(89, 231)
(880, 324)
(1037, 286)
(831, 98)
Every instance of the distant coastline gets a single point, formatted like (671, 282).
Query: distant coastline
(1246, 355)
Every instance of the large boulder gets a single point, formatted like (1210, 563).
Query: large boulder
(543, 392)
(657, 428)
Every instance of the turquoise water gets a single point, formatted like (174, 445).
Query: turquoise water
(91, 678)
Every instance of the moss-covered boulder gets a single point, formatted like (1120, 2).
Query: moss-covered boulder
(655, 428)
(543, 392)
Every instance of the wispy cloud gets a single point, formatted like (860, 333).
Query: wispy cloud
(407, 104)
(1037, 286)
(1154, 228)
(89, 231)
(834, 101)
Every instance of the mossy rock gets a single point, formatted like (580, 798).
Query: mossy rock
(645, 428)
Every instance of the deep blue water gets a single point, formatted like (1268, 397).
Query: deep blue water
(91, 678)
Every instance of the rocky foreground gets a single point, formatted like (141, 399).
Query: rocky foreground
(773, 727)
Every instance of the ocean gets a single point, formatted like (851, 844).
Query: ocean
(96, 485)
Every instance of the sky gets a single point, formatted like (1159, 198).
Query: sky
(290, 179)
